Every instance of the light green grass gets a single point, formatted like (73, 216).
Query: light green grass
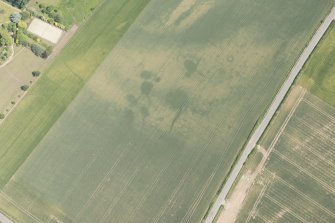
(318, 75)
(7, 10)
(154, 132)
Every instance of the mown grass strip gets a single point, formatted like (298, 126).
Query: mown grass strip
(48, 99)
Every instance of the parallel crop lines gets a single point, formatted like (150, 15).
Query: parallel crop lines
(304, 197)
(316, 167)
(36, 219)
(168, 165)
(302, 156)
(311, 147)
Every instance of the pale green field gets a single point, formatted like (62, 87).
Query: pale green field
(57, 87)
(297, 184)
(154, 132)
(5, 11)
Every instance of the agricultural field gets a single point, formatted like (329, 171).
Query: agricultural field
(296, 184)
(60, 84)
(154, 131)
(318, 74)
(5, 11)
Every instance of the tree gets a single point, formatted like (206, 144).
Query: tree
(24, 87)
(58, 18)
(19, 3)
(5, 38)
(22, 25)
(47, 52)
(15, 17)
(36, 73)
(22, 39)
(2, 116)
(25, 15)
(11, 27)
(37, 50)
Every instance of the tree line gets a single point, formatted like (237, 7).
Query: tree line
(18, 3)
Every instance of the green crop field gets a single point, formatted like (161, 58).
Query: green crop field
(297, 184)
(318, 74)
(147, 132)
(60, 84)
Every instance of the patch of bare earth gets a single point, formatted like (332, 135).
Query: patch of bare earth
(235, 202)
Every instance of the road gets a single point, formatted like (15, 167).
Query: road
(269, 115)
(4, 219)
